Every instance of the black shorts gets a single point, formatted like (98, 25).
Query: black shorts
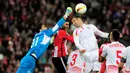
(60, 64)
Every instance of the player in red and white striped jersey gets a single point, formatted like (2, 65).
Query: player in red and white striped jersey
(112, 52)
(59, 54)
(75, 63)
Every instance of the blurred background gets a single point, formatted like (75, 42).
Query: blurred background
(19, 17)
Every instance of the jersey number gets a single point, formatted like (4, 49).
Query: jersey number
(118, 55)
(73, 59)
(35, 41)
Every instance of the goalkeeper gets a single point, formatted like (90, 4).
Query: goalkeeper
(39, 45)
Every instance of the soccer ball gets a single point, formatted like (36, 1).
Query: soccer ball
(80, 8)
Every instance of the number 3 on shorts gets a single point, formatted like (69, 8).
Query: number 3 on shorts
(73, 59)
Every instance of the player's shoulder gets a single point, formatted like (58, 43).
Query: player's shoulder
(110, 44)
(39, 34)
(122, 45)
(48, 32)
(75, 32)
(128, 48)
(61, 31)
(105, 44)
(45, 31)
(89, 25)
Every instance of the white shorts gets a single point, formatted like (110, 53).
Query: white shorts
(113, 69)
(127, 72)
(92, 63)
(74, 70)
(127, 69)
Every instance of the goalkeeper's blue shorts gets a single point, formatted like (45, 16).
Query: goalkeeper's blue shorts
(27, 65)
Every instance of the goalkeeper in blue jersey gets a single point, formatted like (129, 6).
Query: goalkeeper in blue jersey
(39, 45)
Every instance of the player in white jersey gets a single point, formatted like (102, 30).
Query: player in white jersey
(112, 52)
(125, 59)
(85, 40)
(75, 63)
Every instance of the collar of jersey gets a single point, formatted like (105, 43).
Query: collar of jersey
(82, 27)
(114, 42)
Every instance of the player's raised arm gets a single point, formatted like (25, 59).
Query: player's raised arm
(62, 21)
(69, 37)
(100, 33)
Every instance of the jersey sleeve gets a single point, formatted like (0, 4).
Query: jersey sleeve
(100, 33)
(125, 52)
(100, 50)
(76, 40)
(58, 25)
(62, 34)
(104, 51)
(69, 38)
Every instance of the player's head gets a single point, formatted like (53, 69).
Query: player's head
(114, 35)
(66, 25)
(43, 27)
(40, 27)
(77, 21)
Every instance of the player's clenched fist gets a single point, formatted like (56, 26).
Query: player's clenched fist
(83, 51)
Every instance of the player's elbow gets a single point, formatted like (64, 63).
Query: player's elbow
(77, 45)
(99, 59)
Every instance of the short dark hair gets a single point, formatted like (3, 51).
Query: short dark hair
(115, 34)
(38, 27)
(77, 15)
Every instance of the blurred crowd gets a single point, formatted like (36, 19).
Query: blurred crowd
(18, 19)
